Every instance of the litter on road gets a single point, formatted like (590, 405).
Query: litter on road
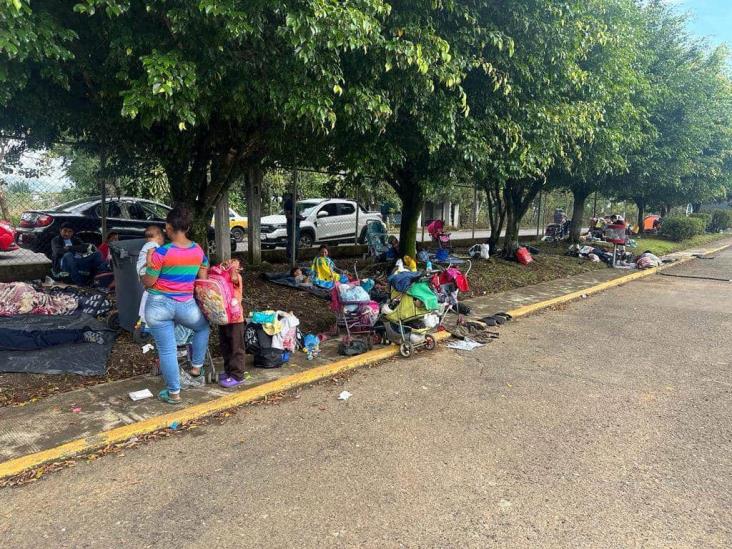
(345, 395)
(464, 345)
(140, 395)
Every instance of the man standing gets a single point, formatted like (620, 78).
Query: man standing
(69, 254)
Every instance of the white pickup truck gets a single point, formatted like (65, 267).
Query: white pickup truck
(323, 221)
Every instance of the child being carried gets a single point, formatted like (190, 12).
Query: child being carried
(155, 239)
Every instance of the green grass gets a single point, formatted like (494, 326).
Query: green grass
(661, 246)
(497, 275)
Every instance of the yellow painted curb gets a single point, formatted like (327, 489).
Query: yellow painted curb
(196, 411)
(534, 307)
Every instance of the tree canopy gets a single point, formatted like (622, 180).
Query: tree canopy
(587, 95)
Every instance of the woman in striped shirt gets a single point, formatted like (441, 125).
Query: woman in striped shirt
(171, 271)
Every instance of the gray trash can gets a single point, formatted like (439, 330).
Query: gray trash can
(127, 282)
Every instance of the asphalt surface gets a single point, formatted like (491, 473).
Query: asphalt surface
(606, 423)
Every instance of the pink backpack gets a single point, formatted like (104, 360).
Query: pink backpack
(217, 297)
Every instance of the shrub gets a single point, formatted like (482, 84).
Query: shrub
(721, 220)
(681, 227)
(706, 217)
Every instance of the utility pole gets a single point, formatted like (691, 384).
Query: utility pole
(293, 220)
(475, 206)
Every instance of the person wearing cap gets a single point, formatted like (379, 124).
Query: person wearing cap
(69, 254)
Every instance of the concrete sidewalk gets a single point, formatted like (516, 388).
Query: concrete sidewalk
(78, 420)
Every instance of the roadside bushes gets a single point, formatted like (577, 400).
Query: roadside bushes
(721, 220)
(680, 228)
(704, 216)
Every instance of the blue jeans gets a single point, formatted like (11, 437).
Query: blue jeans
(162, 314)
(91, 264)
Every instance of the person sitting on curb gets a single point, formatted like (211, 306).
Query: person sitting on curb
(71, 255)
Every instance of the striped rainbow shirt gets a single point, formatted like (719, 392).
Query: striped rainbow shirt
(176, 269)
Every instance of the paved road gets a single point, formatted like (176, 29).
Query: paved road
(242, 246)
(607, 423)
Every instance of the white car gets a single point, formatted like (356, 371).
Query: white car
(322, 221)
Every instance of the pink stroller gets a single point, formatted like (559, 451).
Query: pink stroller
(436, 229)
(356, 313)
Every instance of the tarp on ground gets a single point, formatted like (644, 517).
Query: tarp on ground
(284, 279)
(86, 359)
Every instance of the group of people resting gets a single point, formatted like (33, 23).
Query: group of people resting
(323, 272)
(79, 259)
(168, 272)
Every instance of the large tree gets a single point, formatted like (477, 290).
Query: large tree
(614, 82)
(515, 138)
(416, 83)
(689, 106)
(203, 88)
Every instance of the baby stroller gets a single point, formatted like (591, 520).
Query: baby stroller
(376, 239)
(356, 313)
(556, 232)
(436, 229)
(448, 283)
(411, 316)
(617, 236)
(183, 337)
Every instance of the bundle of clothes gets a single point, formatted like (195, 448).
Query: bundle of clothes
(626, 260)
(271, 336)
(17, 298)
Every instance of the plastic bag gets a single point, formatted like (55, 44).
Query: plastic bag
(481, 251)
(523, 256)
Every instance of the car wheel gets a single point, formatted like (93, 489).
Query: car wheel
(238, 234)
(306, 240)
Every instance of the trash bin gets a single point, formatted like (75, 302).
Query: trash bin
(127, 282)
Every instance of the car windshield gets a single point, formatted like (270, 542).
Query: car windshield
(73, 204)
(305, 208)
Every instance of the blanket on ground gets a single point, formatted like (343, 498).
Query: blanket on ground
(82, 358)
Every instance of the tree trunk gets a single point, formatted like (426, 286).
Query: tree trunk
(641, 213)
(4, 210)
(496, 207)
(578, 213)
(519, 196)
(412, 197)
(254, 214)
(222, 233)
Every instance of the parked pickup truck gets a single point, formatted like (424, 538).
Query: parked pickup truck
(323, 221)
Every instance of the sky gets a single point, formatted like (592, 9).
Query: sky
(709, 18)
